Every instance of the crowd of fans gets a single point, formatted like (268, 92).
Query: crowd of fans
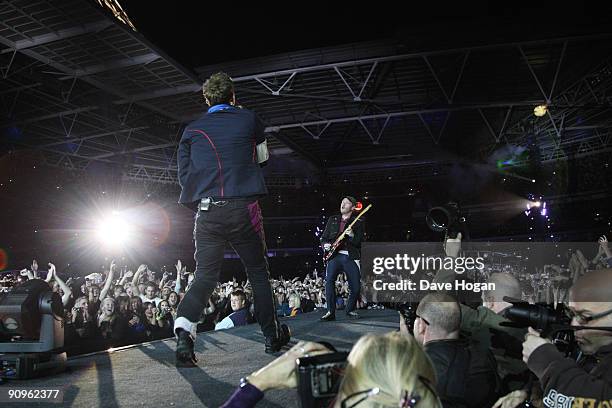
(121, 307)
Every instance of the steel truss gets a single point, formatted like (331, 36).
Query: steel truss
(125, 103)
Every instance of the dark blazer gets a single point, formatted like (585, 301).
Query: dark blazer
(217, 157)
(352, 245)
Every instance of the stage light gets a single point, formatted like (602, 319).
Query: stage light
(540, 110)
(358, 206)
(537, 204)
(113, 230)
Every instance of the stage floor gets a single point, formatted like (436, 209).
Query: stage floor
(145, 375)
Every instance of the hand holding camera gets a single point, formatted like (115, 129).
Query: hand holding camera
(532, 342)
(134, 321)
(281, 373)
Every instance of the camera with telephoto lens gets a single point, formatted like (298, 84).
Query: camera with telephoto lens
(553, 322)
(447, 218)
(319, 378)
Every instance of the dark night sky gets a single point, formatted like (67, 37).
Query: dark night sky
(203, 33)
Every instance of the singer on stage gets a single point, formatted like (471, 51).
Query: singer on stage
(345, 258)
(219, 160)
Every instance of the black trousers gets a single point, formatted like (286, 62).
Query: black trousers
(238, 223)
(337, 264)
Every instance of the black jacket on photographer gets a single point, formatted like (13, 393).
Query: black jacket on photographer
(352, 245)
(567, 383)
(466, 376)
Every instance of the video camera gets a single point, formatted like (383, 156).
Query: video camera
(447, 218)
(319, 378)
(553, 322)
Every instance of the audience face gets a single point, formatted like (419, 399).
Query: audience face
(164, 306)
(237, 302)
(150, 292)
(135, 303)
(129, 291)
(149, 311)
(141, 287)
(81, 303)
(165, 292)
(123, 304)
(108, 306)
(173, 299)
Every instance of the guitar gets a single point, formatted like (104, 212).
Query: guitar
(334, 247)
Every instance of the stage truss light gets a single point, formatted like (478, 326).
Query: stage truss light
(540, 110)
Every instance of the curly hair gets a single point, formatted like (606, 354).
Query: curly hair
(219, 88)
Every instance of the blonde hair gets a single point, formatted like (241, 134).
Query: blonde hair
(395, 364)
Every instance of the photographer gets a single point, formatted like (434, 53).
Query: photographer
(588, 381)
(382, 370)
(484, 326)
(466, 376)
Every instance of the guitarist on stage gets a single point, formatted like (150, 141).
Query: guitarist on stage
(345, 258)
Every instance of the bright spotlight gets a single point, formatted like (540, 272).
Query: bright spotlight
(540, 110)
(113, 230)
(537, 204)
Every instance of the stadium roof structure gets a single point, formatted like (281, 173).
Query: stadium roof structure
(80, 85)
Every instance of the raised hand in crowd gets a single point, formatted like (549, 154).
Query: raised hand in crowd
(128, 274)
(67, 292)
(136, 278)
(26, 272)
(134, 321)
(603, 245)
(50, 273)
(109, 280)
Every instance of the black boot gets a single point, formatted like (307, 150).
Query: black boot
(185, 356)
(274, 344)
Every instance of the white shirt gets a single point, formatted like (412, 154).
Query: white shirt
(226, 323)
(146, 299)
